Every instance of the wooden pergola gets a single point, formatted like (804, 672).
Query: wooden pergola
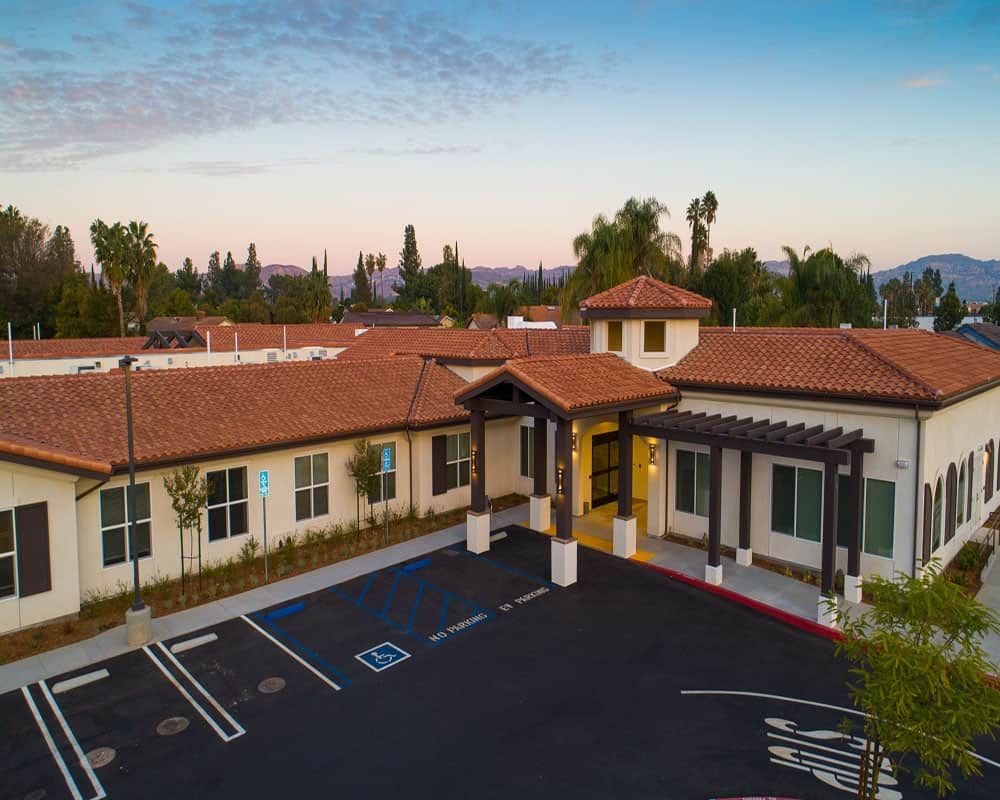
(832, 447)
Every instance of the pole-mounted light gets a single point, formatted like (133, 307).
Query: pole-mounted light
(126, 365)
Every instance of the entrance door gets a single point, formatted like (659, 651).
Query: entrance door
(604, 473)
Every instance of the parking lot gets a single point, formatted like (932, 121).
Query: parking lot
(456, 675)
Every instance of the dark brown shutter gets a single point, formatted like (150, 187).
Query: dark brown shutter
(439, 465)
(33, 568)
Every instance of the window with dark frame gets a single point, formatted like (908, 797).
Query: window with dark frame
(8, 554)
(458, 460)
(312, 486)
(115, 529)
(797, 502)
(228, 506)
(692, 483)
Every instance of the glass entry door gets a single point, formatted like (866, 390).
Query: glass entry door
(604, 469)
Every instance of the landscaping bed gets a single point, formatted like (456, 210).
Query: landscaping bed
(966, 567)
(288, 555)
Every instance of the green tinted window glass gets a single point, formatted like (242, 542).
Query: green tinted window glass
(321, 500)
(701, 484)
(809, 505)
(142, 540)
(237, 483)
(685, 481)
(113, 544)
(302, 473)
(783, 499)
(303, 509)
(112, 507)
(321, 468)
(141, 501)
(938, 515)
(7, 587)
(464, 443)
(880, 516)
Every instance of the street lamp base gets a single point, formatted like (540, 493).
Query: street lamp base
(139, 626)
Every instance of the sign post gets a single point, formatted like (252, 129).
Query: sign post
(264, 490)
(386, 466)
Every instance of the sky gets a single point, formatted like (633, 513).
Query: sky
(304, 126)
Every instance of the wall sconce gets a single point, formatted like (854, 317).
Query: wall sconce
(559, 481)
(475, 461)
(573, 442)
(652, 453)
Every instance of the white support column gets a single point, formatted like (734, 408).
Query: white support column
(656, 492)
(713, 575)
(825, 613)
(540, 507)
(624, 536)
(564, 561)
(744, 556)
(852, 588)
(477, 531)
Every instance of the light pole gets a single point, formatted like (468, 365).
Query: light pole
(138, 619)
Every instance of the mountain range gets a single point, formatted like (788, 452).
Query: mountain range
(975, 279)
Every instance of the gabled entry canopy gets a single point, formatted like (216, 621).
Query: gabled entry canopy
(565, 387)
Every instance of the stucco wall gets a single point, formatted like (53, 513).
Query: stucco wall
(680, 337)
(24, 485)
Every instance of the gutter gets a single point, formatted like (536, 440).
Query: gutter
(406, 427)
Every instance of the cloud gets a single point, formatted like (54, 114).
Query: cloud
(922, 82)
(423, 150)
(38, 55)
(235, 67)
(224, 169)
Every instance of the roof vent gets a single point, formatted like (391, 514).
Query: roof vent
(271, 356)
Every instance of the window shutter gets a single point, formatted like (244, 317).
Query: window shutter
(439, 465)
(33, 566)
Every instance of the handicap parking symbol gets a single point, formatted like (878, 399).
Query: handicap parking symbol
(382, 656)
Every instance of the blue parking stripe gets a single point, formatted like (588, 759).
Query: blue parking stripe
(448, 595)
(285, 611)
(515, 570)
(444, 610)
(291, 640)
(377, 615)
(416, 605)
(368, 585)
(424, 562)
(392, 591)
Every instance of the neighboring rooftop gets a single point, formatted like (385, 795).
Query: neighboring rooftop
(645, 297)
(74, 348)
(390, 319)
(577, 382)
(864, 364)
(184, 413)
(185, 323)
(984, 333)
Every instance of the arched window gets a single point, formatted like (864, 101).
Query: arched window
(988, 471)
(950, 504)
(928, 522)
(938, 514)
(960, 504)
(968, 491)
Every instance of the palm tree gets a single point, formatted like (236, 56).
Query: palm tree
(370, 269)
(141, 259)
(709, 209)
(380, 266)
(694, 217)
(109, 250)
(501, 300)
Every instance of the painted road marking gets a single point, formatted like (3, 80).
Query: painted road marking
(94, 782)
(191, 644)
(43, 728)
(226, 737)
(284, 611)
(293, 654)
(424, 562)
(382, 656)
(496, 537)
(79, 680)
(801, 702)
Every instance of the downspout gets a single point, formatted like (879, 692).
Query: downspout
(917, 491)
(406, 428)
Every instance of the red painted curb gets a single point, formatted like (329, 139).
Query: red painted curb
(782, 616)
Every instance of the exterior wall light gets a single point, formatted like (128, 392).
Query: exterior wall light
(573, 442)
(652, 453)
(559, 481)
(475, 461)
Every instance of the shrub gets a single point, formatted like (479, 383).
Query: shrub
(248, 552)
(968, 557)
(958, 578)
(838, 581)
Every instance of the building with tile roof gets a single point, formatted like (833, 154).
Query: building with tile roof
(868, 451)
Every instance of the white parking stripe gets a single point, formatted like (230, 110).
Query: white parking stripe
(215, 703)
(79, 680)
(294, 655)
(187, 696)
(802, 702)
(191, 644)
(73, 789)
(98, 789)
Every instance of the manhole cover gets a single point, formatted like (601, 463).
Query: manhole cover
(101, 756)
(172, 725)
(271, 685)
(35, 794)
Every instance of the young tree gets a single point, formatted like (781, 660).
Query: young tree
(363, 467)
(950, 310)
(188, 493)
(919, 678)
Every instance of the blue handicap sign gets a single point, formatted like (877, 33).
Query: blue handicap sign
(382, 656)
(386, 460)
(263, 483)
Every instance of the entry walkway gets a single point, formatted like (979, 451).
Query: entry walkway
(112, 643)
(989, 596)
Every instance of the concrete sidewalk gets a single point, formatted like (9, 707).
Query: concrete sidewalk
(112, 643)
(989, 596)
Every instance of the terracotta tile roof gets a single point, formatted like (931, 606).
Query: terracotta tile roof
(187, 413)
(548, 314)
(576, 382)
(904, 365)
(463, 344)
(256, 336)
(646, 293)
(73, 348)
